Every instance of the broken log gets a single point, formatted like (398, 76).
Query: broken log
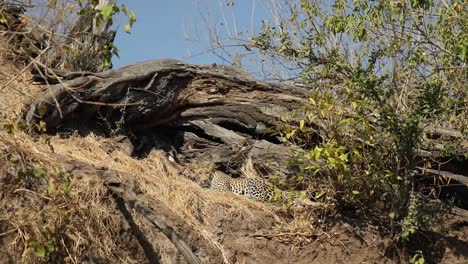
(210, 114)
(216, 110)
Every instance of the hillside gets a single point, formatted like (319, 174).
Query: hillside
(56, 207)
(352, 147)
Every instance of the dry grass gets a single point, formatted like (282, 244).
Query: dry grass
(87, 227)
(82, 223)
(89, 216)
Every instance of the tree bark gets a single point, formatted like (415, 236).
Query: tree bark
(209, 114)
(212, 111)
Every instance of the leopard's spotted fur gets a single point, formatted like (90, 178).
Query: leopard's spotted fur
(257, 189)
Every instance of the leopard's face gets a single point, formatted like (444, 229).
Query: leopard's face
(221, 182)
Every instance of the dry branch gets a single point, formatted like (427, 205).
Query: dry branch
(213, 116)
(442, 131)
(133, 202)
(217, 110)
(461, 178)
(210, 114)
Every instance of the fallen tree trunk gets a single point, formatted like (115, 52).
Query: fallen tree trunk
(210, 114)
(159, 92)
(216, 110)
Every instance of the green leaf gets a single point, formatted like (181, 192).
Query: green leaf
(291, 134)
(301, 124)
(124, 9)
(131, 18)
(107, 11)
(42, 127)
(40, 173)
(302, 194)
(319, 194)
(464, 52)
(317, 152)
(67, 186)
(38, 248)
(355, 192)
(3, 20)
(105, 63)
(322, 112)
(344, 157)
(127, 28)
(50, 245)
(357, 153)
(340, 177)
(8, 128)
(48, 141)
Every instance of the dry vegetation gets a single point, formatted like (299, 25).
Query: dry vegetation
(55, 206)
(85, 224)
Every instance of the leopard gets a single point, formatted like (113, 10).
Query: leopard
(256, 189)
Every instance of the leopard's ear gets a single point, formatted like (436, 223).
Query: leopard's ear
(248, 170)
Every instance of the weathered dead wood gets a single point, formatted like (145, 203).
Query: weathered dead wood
(442, 131)
(219, 110)
(461, 178)
(150, 90)
(461, 213)
(133, 202)
(210, 114)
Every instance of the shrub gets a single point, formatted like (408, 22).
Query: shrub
(379, 72)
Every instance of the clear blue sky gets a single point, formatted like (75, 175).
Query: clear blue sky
(177, 29)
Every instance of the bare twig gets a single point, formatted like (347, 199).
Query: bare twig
(269, 236)
(8, 232)
(29, 191)
(23, 70)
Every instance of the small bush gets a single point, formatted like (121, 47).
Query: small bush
(378, 72)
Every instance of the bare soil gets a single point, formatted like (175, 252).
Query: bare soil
(89, 225)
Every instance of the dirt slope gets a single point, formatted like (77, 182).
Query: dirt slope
(40, 214)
